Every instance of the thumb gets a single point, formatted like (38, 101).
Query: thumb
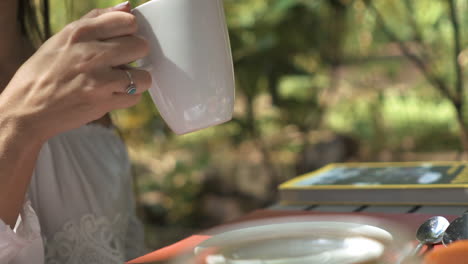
(123, 7)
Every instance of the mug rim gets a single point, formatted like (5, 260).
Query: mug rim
(145, 3)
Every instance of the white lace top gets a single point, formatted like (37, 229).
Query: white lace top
(80, 206)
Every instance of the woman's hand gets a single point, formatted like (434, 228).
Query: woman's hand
(76, 76)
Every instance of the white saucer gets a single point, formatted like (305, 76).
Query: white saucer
(324, 242)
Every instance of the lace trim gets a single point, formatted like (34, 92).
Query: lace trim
(26, 231)
(92, 240)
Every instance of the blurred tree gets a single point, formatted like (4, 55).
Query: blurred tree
(449, 84)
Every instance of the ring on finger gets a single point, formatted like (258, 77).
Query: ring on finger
(131, 88)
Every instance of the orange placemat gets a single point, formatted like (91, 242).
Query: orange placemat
(455, 253)
(171, 251)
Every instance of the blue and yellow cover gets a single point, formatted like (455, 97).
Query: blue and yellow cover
(346, 182)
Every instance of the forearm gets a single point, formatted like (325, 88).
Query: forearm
(19, 149)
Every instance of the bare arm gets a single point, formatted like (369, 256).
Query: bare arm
(73, 79)
(18, 153)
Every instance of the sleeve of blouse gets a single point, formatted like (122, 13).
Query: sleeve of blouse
(134, 242)
(24, 242)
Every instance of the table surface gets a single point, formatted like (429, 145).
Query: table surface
(412, 216)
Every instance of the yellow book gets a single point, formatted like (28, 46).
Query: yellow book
(393, 183)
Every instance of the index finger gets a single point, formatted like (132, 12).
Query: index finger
(107, 26)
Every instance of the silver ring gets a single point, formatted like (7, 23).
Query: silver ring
(131, 88)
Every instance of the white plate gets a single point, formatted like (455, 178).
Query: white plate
(298, 242)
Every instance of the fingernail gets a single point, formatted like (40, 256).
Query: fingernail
(124, 4)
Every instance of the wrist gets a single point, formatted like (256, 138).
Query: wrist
(17, 129)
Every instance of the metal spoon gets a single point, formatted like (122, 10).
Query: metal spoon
(457, 230)
(431, 232)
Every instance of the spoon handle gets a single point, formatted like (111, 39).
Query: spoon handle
(410, 254)
(417, 249)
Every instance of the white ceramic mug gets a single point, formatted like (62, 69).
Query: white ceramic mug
(190, 62)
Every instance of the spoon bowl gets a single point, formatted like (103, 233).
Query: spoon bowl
(431, 232)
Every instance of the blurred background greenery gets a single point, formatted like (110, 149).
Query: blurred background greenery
(318, 81)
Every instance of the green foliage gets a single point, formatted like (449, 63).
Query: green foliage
(427, 123)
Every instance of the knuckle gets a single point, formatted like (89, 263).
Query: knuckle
(144, 46)
(95, 12)
(71, 26)
(87, 96)
(86, 57)
(85, 62)
(146, 80)
(130, 21)
(99, 32)
(82, 66)
(93, 85)
(89, 92)
(77, 31)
